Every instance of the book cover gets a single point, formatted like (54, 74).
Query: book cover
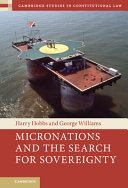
(63, 93)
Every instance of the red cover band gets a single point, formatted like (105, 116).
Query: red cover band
(78, 5)
(67, 175)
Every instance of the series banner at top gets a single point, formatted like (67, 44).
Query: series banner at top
(66, 5)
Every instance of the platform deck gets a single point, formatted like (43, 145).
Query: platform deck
(23, 47)
(36, 53)
(93, 78)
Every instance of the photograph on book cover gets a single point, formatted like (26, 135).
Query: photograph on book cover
(63, 64)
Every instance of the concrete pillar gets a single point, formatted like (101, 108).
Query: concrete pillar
(36, 71)
(73, 101)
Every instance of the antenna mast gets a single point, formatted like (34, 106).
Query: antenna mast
(28, 26)
(16, 36)
(84, 54)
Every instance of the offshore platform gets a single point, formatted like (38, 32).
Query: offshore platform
(79, 77)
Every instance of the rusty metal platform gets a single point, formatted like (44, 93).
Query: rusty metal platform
(23, 47)
(20, 47)
(85, 80)
(88, 79)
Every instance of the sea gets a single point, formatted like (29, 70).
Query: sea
(106, 40)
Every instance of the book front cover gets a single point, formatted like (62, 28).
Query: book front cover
(63, 94)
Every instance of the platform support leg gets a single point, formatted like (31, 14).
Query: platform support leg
(74, 101)
(36, 71)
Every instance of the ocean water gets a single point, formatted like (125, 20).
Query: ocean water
(106, 38)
